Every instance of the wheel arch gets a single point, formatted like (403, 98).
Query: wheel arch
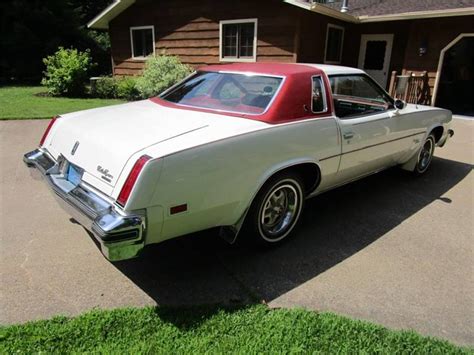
(309, 170)
(437, 132)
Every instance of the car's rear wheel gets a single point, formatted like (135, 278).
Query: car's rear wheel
(275, 210)
(425, 156)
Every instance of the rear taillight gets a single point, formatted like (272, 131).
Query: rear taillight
(132, 179)
(46, 132)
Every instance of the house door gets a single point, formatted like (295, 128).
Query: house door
(374, 56)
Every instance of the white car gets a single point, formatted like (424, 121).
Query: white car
(237, 146)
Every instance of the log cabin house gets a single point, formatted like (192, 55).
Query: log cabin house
(395, 41)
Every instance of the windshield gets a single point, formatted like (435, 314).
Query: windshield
(240, 93)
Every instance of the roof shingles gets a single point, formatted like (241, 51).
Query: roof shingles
(391, 7)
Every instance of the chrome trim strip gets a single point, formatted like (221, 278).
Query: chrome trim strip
(372, 145)
(365, 122)
(121, 235)
(389, 141)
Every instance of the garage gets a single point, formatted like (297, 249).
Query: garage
(456, 80)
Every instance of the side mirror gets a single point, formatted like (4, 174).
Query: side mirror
(400, 104)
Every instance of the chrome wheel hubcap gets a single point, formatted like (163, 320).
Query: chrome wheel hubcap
(425, 155)
(279, 210)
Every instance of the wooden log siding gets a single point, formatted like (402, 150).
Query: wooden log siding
(195, 38)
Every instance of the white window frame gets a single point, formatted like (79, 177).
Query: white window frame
(131, 39)
(240, 21)
(330, 25)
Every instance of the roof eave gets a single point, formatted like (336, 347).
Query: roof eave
(323, 10)
(101, 21)
(418, 15)
(343, 16)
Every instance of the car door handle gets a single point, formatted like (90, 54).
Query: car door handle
(348, 135)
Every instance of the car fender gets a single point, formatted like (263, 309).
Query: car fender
(231, 233)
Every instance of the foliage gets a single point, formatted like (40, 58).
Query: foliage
(88, 9)
(160, 73)
(127, 89)
(35, 29)
(105, 88)
(30, 102)
(249, 330)
(67, 72)
(116, 87)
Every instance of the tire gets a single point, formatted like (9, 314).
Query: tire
(425, 156)
(275, 211)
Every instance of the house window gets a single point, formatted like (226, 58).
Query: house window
(238, 40)
(143, 41)
(334, 42)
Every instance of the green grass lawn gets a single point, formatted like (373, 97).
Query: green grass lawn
(255, 329)
(20, 102)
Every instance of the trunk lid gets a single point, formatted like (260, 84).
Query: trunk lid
(107, 137)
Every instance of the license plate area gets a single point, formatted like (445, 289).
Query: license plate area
(69, 171)
(74, 174)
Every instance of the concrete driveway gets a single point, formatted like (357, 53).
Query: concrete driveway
(390, 249)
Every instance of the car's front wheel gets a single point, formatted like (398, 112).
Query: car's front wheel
(275, 210)
(425, 156)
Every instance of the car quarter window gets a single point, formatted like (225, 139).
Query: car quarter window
(356, 95)
(319, 95)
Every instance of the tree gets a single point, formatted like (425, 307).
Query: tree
(34, 29)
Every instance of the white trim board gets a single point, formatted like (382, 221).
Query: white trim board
(441, 61)
(152, 27)
(238, 21)
(330, 25)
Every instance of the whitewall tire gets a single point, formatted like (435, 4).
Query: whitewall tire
(276, 210)
(425, 155)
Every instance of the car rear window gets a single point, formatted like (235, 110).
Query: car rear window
(231, 92)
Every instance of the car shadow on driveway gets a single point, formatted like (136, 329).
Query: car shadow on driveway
(202, 269)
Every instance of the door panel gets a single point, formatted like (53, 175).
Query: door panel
(374, 56)
(366, 145)
(369, 133)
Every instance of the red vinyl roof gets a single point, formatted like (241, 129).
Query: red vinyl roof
(292, 102)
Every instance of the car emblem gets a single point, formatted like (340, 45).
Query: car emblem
(74, 148)
(105, 173)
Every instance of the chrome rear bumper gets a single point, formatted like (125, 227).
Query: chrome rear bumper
(120, 235)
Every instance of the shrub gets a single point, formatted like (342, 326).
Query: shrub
(106, 88)
(127, 89)
(66, 72)
(160, 73)
(116, 87)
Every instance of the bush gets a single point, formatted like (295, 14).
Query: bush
(67, 72)
(116, 87)
(127, 89)
(105, 88)
(160, 73)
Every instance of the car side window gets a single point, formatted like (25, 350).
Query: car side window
(319, 95)
(356, 95)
